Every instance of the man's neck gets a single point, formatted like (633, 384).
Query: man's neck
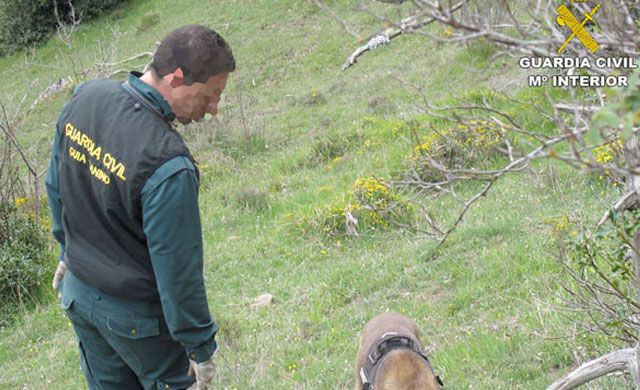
(158, 84)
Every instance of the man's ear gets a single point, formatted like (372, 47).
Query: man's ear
(175, 79)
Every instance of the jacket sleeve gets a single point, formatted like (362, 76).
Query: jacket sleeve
(53, 193)
(171, 222)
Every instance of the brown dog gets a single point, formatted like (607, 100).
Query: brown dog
(392, 357)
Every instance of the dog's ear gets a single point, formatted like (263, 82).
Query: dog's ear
(416, 331)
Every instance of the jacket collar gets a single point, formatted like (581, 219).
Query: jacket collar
(150, 94)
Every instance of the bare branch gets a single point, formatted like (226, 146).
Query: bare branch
(624, 360)
(145, 54)
(412, 23)
(537, 34)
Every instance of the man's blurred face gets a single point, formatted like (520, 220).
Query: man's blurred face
(192, 102)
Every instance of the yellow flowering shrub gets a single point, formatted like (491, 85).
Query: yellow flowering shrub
(561, 225)
(372, 201)
(335, 161)
(27, 208)
(607, 154)
(472, 144)
(374, 193)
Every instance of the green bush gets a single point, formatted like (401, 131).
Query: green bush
(603, 277)
(373, 202)
(23, 257)
(89, 9)
(24, 22)
(29, 22)
(472, 144)
(330, 149)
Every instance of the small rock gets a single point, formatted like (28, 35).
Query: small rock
(262, 300)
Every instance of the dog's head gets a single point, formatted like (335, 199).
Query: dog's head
(391, 356)
(406, 370)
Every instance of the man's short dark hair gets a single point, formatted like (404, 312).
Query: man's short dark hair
(199, 51)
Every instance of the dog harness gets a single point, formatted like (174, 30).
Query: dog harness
(388, 342)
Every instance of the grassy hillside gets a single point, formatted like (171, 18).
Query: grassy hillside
(295, 134)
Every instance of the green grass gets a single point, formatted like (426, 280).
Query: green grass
(486, 301)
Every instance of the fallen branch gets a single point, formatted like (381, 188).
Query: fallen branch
(628, 201)
(140, 55)
(624, 360)
(384, 37)
(378, 40)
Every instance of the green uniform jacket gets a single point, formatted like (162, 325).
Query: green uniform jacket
(178, 271)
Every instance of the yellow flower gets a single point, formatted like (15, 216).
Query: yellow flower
(334, 162)
(20, 201)
(605, 153)
(326, 189)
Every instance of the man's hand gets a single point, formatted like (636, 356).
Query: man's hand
(204, 373)
(57, 277)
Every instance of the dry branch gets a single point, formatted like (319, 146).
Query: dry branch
(535, 34)
(624, 360)
(630, 200)
(147, 54)
(411, 23)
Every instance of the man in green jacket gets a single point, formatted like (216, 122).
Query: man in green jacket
(123, 191)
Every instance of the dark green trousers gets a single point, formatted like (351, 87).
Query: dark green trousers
(123, 344)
